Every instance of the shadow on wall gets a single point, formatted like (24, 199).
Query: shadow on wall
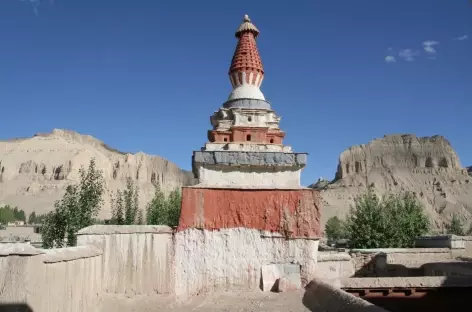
(378, 267)
(15, 307)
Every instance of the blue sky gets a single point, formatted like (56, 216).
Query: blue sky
(145, 75)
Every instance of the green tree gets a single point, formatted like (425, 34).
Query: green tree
(163, 210)
(125, 204)
(173, 204)
(156, 209)
(334, 229)
(6, 214)
(140, 217)
(117, 208)
(455, 227)
(131, 200)
(393, 221)
(11, 214)
(32, 218)
(77, 209)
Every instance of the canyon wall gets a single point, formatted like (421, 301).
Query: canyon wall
(35, 171)
(426, 166)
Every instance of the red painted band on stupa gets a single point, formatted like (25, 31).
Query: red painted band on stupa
(293, 213)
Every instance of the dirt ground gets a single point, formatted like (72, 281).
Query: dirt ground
(224, 302)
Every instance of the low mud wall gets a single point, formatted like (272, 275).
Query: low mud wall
(396, 261)
(67, 279)
(459, 245)
(137, 259)
(333, 265)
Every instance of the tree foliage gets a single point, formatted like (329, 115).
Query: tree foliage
(393, 221)
(334, 229)
(77, 209)
(455, 227)
(163, 210)
(11, 214)
(125, 205)
(34, 218)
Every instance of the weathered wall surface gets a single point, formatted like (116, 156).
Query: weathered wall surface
(226, 236)
(334, 265)
(395, 261)
(292, 212)
(232, 259)
(67, 279)
(249, 169)
(35, 171)
(136, 259)
(461, 246)
(427, 166)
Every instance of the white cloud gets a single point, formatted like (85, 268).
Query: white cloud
(390, 59)
(462, 38)
(428, 46)
(408, 54)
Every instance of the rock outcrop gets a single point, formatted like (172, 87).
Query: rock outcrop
(427, 166)
(35, 171)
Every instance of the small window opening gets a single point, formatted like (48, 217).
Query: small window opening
(249, 119)
(248, 137)
(225, 139)
(271, 140)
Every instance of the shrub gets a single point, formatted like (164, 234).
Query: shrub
(393, 221)
(334, 229)
(162, 210)
(455, 227)
(77, 209)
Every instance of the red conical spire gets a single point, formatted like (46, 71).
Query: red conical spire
(246, 65)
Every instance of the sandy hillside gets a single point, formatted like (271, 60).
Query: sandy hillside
(427, 166)
(35, 171)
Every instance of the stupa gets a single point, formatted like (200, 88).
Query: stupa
(248, 222)
(245, 147)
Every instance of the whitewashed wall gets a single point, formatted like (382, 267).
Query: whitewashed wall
(231, 259)
(72, 279)
(334, 266)
(65, 279)
(137, 259)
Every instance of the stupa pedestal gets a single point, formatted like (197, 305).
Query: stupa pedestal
(248, 223)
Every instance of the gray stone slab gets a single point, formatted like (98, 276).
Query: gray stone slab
(101, 229)
(247, 103)
(70, 253)
(273, 273)
(19, 249)
(246, 158)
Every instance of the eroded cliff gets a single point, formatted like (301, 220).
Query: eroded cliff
(426, 166)
(35, 171)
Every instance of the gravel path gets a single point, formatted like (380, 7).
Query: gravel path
(224, 302)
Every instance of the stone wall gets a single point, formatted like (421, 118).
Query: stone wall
(459, 245)
(232, 259)
(137, 259)
(395, 261)
(333, 265)
(65, 279)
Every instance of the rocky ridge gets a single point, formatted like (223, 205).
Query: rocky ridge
(35, 171)
(427, 166)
